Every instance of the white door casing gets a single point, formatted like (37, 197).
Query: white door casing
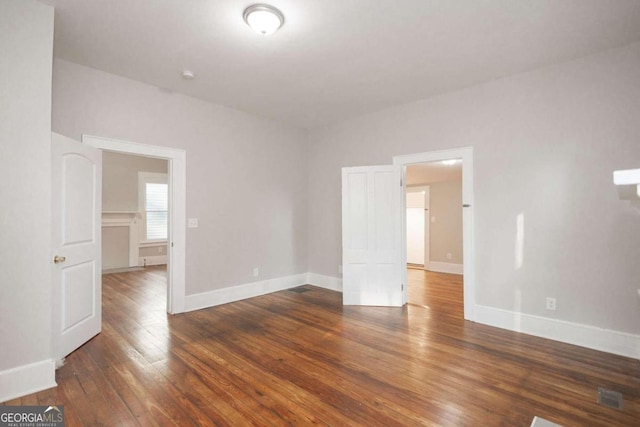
(372, 203)
(176, 242)
(76, 178)
(466, 154)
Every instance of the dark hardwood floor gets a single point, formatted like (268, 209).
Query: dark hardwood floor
(439, 293)
(292, 358)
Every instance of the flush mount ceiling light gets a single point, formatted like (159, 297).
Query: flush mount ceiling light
(263, 19)
(449, 162)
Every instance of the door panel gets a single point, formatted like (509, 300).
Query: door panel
(78, 204)
(77, 296)
(371, 226)
(76, 172)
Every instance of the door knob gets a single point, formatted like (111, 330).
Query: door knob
(58, 259)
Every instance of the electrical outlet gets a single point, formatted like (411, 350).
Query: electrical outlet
(449, 256)
(159, 249)
(256, 272)
(551, 303)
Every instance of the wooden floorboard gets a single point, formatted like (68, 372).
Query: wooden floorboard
(292, 358)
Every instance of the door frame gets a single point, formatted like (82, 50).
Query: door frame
(466, 154)
(176, 242)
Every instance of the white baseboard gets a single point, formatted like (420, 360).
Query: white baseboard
(327, 282)
(592, 337)
(240, 292)
(606, 340)
(152, 260)
(27, 379)
(445, 267)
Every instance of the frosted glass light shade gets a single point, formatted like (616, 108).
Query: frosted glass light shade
(263, 19)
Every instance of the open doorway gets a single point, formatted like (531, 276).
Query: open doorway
(76, 176)
(465, 156)
(135, 206)
(173, 251)
(433, 213)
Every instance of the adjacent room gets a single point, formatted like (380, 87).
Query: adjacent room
(135, 204)
(434, 235)
(321, 213)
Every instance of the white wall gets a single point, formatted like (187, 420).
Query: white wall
(545, 145)
(26, 40)
(246, 176)
(445, 210)
(120, 190)
(115, 247)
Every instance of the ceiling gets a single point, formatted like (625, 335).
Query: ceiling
(334, 59)
(432, 172)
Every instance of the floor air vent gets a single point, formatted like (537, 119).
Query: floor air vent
(610, 398)
(299, 290)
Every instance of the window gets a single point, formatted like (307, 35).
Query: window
(156, 201)
(154, 206)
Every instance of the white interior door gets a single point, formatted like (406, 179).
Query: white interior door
(76, 172)
(372, 199)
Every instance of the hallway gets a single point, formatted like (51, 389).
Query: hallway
(439, 292)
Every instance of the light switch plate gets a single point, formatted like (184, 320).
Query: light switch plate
(192, 223)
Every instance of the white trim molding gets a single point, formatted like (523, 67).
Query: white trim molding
(326, 282)
(255, 289)
(609, 341)
(27, 379)
(445, 267)
(240, 292)
(592, 337)
(152, 260)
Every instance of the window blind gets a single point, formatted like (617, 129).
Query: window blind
(157, 201)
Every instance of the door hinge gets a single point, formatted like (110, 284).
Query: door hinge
(402, 287)
(400, 182)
